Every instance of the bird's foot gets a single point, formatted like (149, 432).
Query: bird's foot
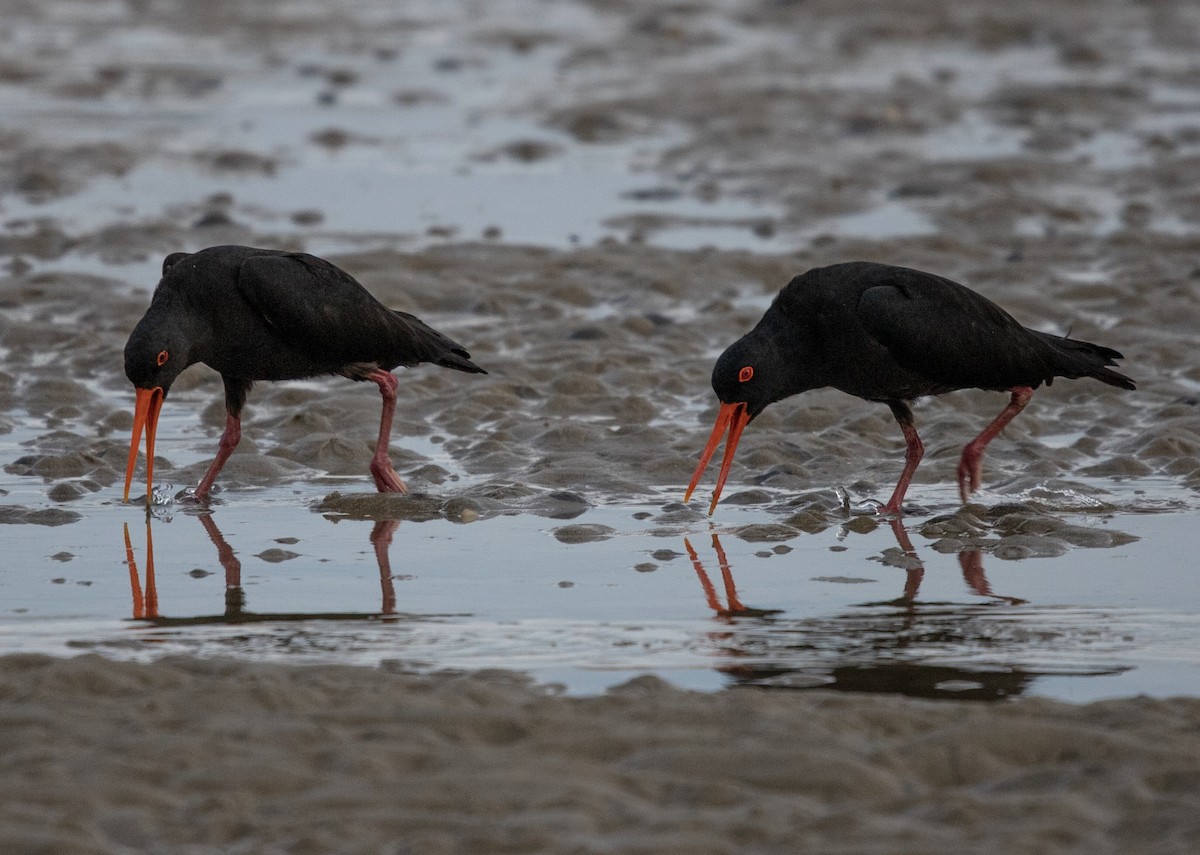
(195, 497)
(970, 474)
(386, 479)
(891, 509)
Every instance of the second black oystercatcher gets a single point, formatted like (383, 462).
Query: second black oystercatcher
(261, 314)
(890, 334)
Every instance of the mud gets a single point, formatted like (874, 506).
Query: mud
(596, 198)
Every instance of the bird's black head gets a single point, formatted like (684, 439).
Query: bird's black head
(154, 357)
(749, 373)
(161, 344)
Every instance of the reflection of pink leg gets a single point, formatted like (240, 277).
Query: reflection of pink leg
(971, 562)
(229, 441)
(735, 607)
(912, 584)
(970, 467)
(381, 539)
(710, 593)
(225, 553)
(913, 452)
(151, 588)
(386, 479)
(731, 595)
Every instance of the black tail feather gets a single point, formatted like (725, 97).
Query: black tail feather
(459, 360)
(429, 345)
(1084, 359)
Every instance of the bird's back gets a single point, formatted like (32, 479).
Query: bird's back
(892, 333)
(282, 315)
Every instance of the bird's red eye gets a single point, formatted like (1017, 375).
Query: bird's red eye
(743, 376)
(163, 356)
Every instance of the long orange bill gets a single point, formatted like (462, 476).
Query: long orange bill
(735, 417)
(145, 415)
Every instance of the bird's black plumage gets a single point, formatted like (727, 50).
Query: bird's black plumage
(259, 314)
(892, 334)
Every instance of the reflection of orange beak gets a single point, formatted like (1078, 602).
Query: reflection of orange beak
(145, 414)
(732, 416)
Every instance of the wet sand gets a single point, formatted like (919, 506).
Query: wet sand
(192, 756)
(1044, 156)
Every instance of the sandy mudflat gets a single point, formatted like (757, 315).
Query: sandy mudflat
(200, 756)
(1045, 154)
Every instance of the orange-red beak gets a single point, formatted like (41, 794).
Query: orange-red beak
(145, 415)
(735, 417)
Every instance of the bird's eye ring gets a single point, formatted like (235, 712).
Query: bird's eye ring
(163, 356)
(743, 376)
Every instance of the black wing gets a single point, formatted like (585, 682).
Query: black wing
(955, 338)
(318, 308)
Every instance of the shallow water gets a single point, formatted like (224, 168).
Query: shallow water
(613, 591)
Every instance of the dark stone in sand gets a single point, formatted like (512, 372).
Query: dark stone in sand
(809, 522)
(953, 546)
(413, 507)
(275, 556)
(583, 533)
(951, 525)
(328, 452)
(894, 556)
(461, 509)
(505, 492)
(18, 515)
(65, 492)
(70, 465)
(430, 473)
(1078, 535)
(766, 532)
(861, 524)
(1018, 546)
(749, 497)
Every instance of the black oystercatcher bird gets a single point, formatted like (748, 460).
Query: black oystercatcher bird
(261, 314)
(890, 334)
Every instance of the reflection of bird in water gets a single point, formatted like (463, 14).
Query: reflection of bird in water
(864, 651)
(969, 560)
(734, 607)
(381, 540)
(260, 314)
(892, 335)
(145, 606)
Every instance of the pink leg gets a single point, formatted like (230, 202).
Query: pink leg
(386, 479)
(229, 440)
(912, 455)
(970, 467)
